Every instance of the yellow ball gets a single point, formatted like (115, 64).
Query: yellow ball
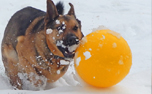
(103, 58)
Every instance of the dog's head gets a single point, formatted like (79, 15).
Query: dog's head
(63, 32)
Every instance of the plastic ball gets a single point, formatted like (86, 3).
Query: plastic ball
(103, 58)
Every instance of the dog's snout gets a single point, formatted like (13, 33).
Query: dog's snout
(71, 40)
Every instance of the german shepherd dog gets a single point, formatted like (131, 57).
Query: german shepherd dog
(40, 44)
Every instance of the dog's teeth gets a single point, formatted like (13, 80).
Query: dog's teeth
(73, 52)
(66, 52)
(77, 40)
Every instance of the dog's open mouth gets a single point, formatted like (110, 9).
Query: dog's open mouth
(68, 51)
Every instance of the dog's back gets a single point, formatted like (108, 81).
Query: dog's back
(19, 23)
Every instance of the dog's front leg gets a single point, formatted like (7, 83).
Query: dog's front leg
(10, 60)
(29, 72)
(27, 62)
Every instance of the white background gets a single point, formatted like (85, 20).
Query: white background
(130, 18)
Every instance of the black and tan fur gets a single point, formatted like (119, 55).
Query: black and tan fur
(27, 48)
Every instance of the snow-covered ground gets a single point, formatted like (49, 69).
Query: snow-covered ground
(130, 18)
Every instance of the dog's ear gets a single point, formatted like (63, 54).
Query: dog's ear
(71, 11)
(52, 12)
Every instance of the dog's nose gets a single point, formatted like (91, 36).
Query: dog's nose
(71, 40)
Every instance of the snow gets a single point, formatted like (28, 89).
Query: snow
(30, 86)
(61, 28)
(87, 55)
(90, 49)
(72, 48)
(57, 21)
(60, 43)
(101, 27)
(63, 23)
(53, 38)
(49, 31)
(63, 62)
(60, 31)
(84, 40)
(130, 18)
(114, 45)
(100, 45)
(115, 34)
(78, 61)
(120, 62)
(58, 71)
(64, 27)
(103, 37)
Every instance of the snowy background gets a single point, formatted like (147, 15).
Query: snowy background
(130, 18)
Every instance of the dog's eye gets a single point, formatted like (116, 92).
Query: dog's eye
(75, 28)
